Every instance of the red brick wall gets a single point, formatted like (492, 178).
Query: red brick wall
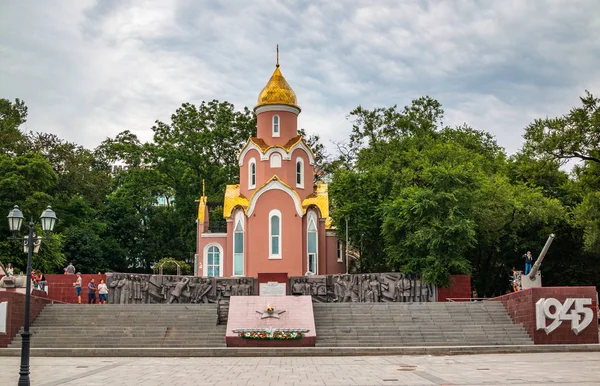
(460, 288)
(16, 313)
(60, 287)
(521, 307)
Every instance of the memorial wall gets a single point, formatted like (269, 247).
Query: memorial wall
(126, 288)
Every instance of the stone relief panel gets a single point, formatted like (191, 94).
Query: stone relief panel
(141, 289)
(236, 286)
(315, 286)
(125, 288)
(400, 287)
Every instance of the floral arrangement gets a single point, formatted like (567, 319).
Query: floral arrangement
(271, 334)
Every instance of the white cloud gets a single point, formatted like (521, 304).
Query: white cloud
(90, 69)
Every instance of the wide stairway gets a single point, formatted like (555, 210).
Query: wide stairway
(127, 325)
(416, 324)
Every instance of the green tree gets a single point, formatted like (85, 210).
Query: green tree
(12, 115)
(572, 136)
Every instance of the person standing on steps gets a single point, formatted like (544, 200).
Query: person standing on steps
(77, 286)
(91, 292)
(102, 292)
(528, 262)
(70, 269)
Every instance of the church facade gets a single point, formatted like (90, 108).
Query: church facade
(277, 218)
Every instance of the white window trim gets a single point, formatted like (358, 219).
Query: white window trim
(278, 133)
(250, 163)
(277, 213)
(205, 259)
(239, 217)
(312, 217)
(273, 157)
(300, 161)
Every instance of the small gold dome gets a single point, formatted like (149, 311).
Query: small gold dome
(277, 92)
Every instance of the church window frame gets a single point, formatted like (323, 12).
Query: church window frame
(209, 251)
(300, 172)
(312, 243)
(276, 129)
(275, 160)
(275, 234)
(238, 245)
(252, 173)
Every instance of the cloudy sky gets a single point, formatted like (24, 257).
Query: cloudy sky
(88, 69)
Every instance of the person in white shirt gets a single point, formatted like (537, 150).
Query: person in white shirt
(102, 292)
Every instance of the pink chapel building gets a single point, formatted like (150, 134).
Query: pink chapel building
(277, 219)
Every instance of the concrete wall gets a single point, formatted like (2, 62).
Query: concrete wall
(521, 307)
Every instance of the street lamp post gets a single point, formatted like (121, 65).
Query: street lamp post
(15, 220)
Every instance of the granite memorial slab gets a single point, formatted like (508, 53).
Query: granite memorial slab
(270, 321)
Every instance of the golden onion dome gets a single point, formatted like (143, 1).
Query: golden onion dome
(277, 91)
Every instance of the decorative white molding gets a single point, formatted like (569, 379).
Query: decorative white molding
(285, 155)
(561, 313)
(286, 108)
(330, 233)
(212, 235)
(275, 161)
(275, 184)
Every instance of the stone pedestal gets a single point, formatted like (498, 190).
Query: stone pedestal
(289, 312)
(555, 315)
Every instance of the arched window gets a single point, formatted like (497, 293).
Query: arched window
(276, 160)
(313, 244)
(238, 245)
(252, 174)
(213, 261)
(275, 125)
(299, 172)
(274, 234)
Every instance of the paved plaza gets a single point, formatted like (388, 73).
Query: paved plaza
(498, 369)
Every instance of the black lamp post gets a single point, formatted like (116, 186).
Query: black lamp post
(15, 220)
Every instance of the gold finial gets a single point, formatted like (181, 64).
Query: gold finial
(277, 64)
(203, 187)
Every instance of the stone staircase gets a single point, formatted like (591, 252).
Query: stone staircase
(126, 326)
(416, 324)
